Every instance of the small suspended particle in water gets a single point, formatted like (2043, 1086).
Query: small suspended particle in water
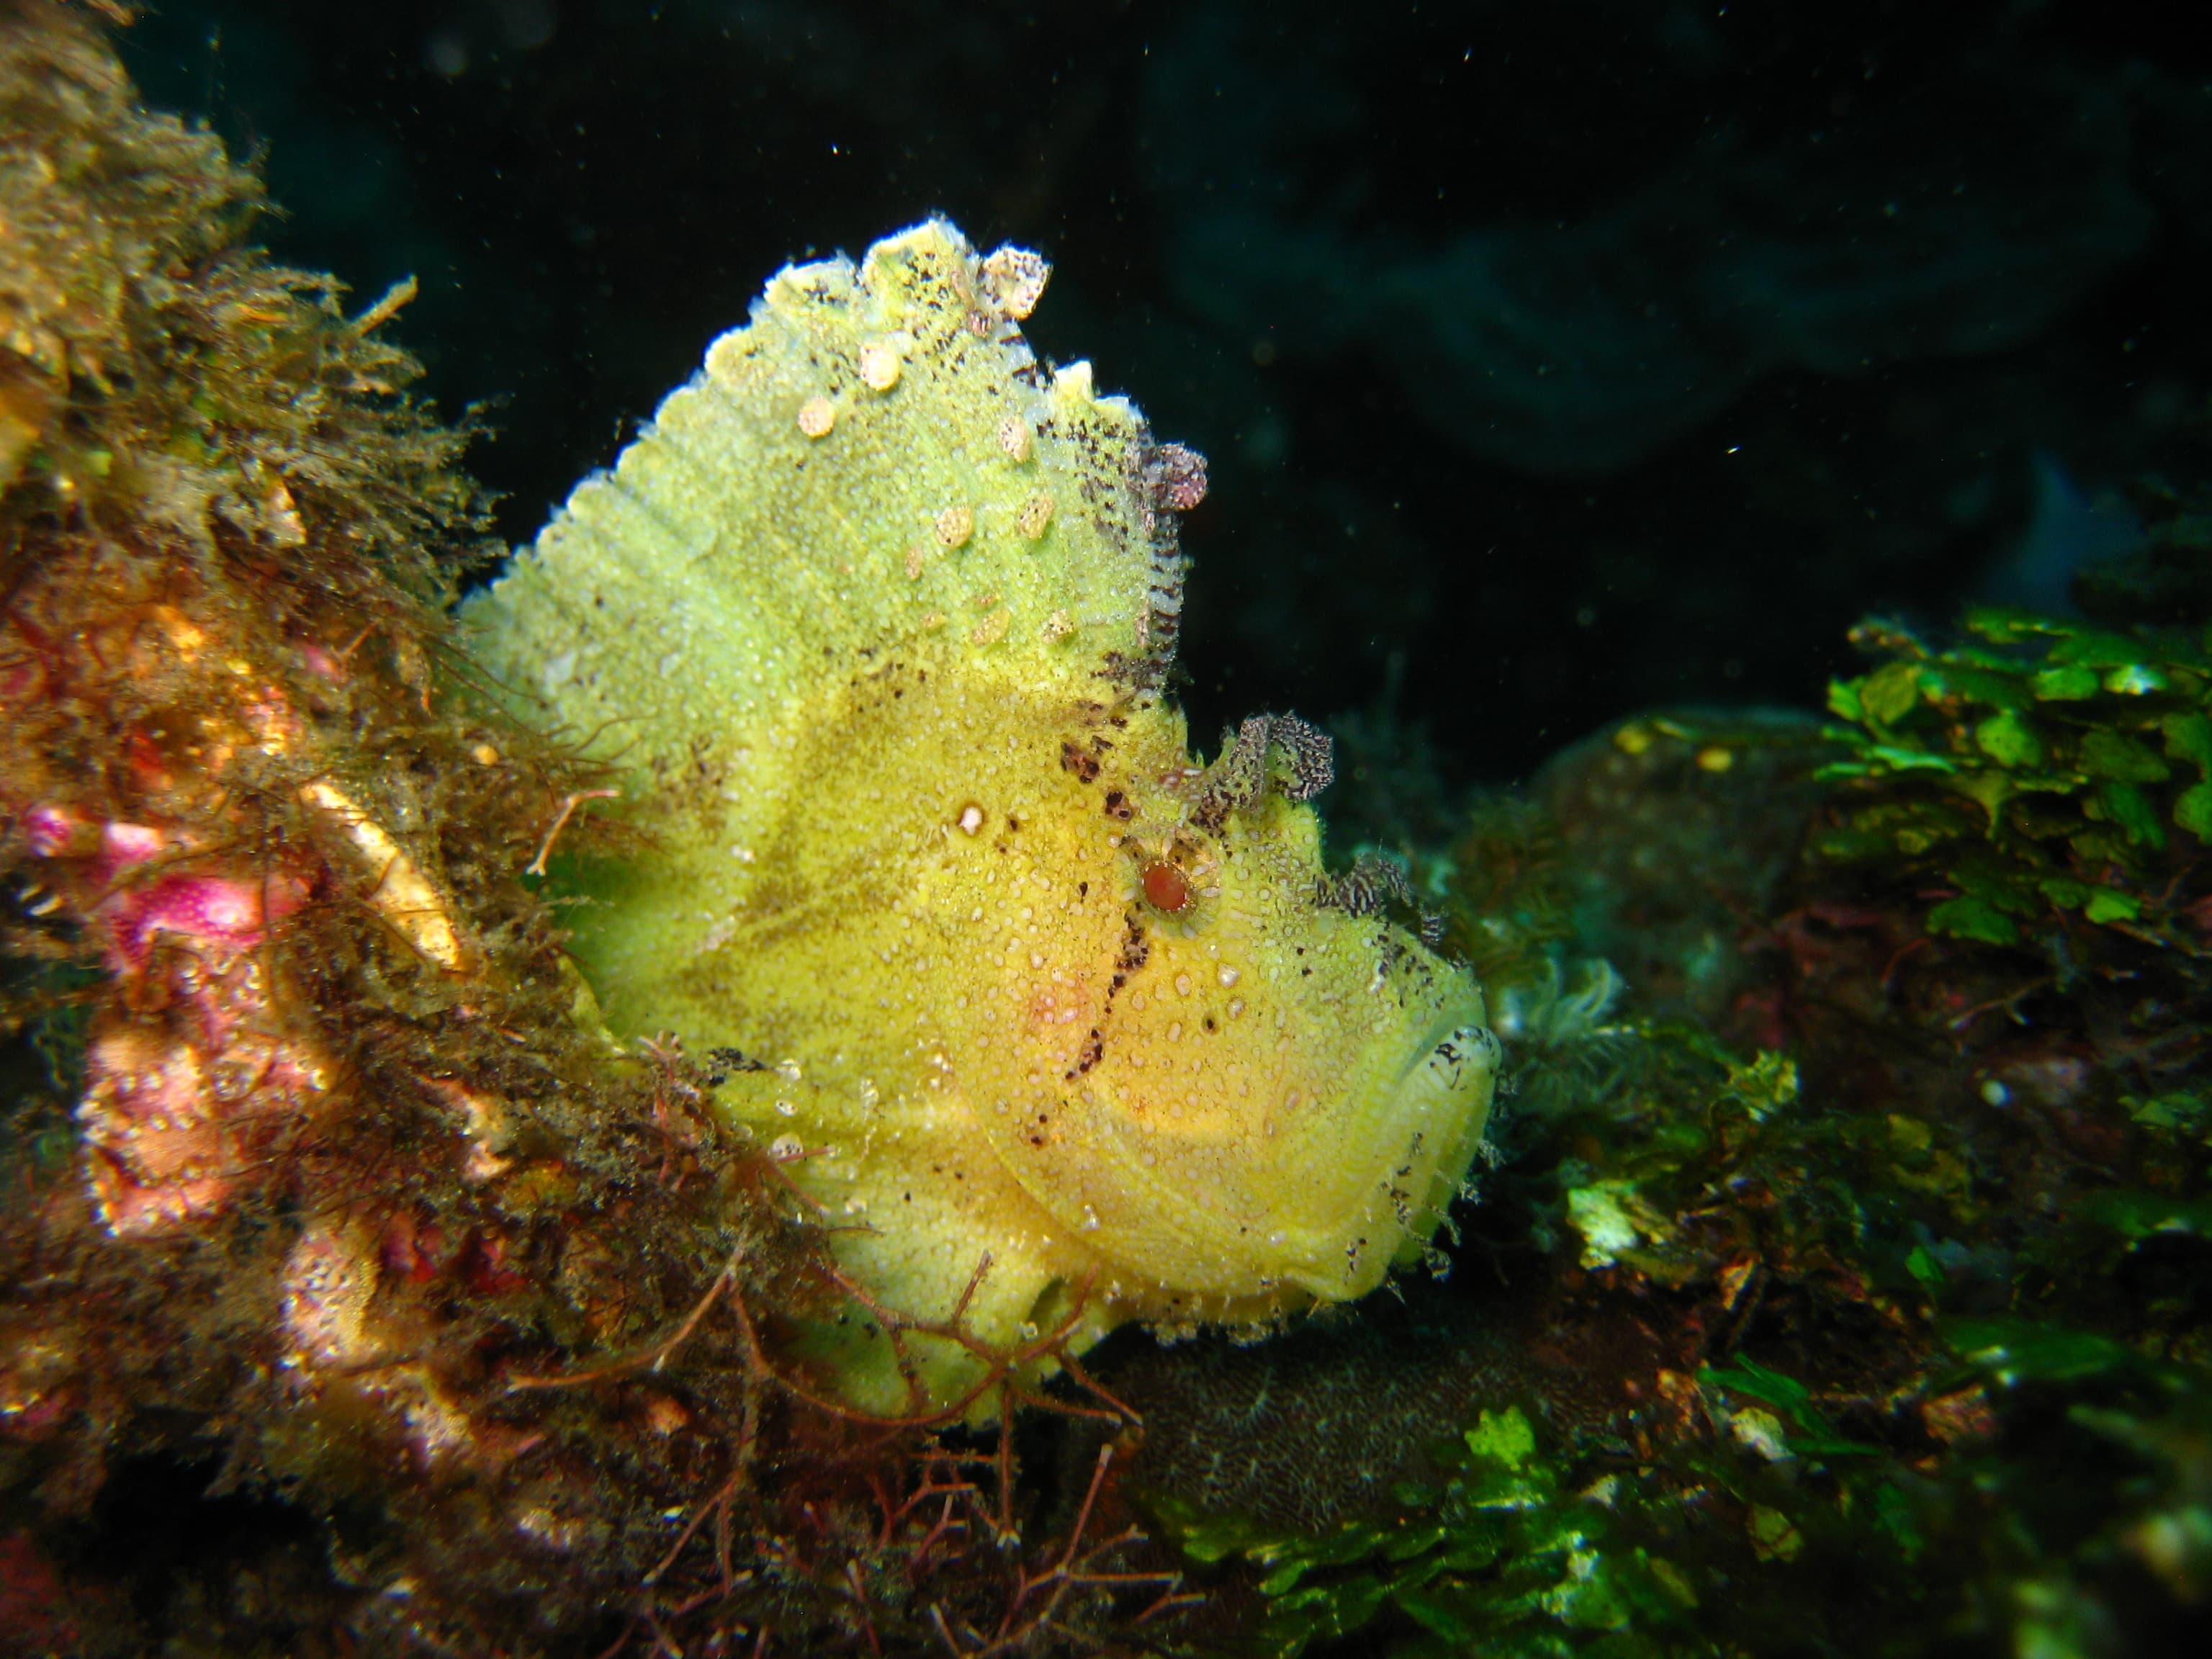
(1015, 277)
(816, 416)
(879, 365)
(954, 525)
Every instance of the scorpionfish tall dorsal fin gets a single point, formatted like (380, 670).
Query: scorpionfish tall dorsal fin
(876, 461)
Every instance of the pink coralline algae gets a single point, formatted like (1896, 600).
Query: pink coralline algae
(174, 1118)
(224, 914)
(194, 1079)
(54, 831)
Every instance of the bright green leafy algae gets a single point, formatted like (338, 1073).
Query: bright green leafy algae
(1496, 1557)
(2041, 769)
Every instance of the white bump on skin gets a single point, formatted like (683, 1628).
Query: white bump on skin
(879, 365)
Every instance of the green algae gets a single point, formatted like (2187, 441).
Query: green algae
(1496, 1558)
(2040, 766)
